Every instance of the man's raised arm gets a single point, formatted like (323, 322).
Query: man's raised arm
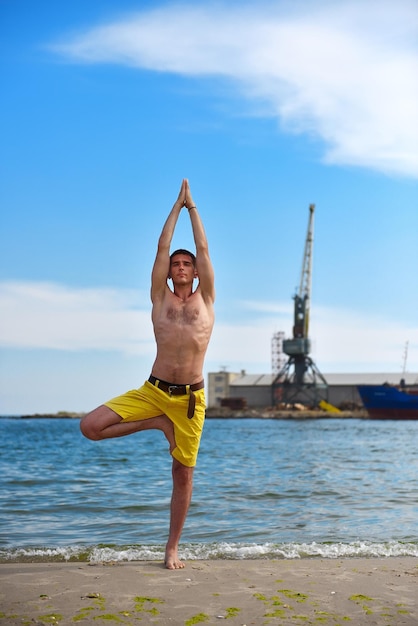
(161, 266)
(203, 263)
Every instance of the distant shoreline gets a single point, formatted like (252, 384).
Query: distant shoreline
(270, 413)
(225, 413)
(59, 415)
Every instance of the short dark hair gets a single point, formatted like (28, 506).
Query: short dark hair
(181, 251)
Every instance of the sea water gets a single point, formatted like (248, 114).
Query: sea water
(262, 489)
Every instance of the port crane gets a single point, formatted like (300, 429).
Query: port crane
(300, 380)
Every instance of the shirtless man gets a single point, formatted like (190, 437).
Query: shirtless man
(172, 399)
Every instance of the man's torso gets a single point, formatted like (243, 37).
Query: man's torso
(182, 331)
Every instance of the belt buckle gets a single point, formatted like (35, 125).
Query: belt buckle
(171, 387)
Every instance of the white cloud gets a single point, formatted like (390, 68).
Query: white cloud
(347, 340)
(51, 316)
(343, 72)
(47, 315)
(342, 340)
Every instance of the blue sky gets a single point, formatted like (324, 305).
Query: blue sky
(265, 107)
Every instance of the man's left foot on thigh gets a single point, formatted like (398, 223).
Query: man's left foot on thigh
(166, 425)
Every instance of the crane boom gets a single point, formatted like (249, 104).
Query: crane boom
(299, 379)
(300, 344)
(306, 274)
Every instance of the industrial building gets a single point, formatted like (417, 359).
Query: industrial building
(256, 390)
(295, 378)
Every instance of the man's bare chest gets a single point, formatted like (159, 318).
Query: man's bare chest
(183, 313)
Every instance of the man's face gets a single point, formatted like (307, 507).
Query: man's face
(182, 270)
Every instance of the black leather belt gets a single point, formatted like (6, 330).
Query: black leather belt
(179, 390)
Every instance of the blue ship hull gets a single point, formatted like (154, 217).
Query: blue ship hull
(386, 402)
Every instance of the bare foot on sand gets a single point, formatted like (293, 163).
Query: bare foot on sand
(172, 560)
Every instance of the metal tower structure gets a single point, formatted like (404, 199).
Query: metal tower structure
(300, 380)
(278, 357)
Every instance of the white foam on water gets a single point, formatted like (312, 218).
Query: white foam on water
(212, 551)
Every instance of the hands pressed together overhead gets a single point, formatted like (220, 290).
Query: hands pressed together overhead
(185, 195)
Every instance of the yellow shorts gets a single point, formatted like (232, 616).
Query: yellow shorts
(149, 401)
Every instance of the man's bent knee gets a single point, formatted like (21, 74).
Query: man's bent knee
(93, 424)
(89, 430)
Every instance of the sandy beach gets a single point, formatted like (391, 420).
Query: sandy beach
(381, 592)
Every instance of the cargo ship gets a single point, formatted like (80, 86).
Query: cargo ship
(389, 402)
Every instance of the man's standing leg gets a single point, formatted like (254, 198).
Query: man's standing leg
(180, 502)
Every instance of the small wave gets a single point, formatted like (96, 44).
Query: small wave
(213, 551)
